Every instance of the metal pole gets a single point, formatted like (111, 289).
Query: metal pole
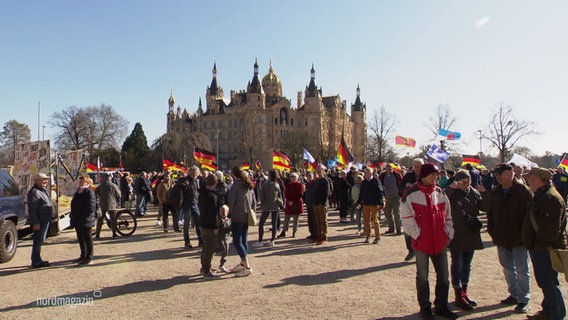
(480, 146)
(217, 155)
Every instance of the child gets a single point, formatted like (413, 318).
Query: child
(222, 235)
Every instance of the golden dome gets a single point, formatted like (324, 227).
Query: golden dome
(271, 83)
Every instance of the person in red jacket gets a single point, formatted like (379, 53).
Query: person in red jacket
(294, 204)
(426, 218)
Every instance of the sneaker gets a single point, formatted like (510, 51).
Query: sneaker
(158, 223)
(509, 301)
(376, 241)
(321, 241)
(245, 272)
(367, 240)
(445, 313)
(211, 276)
(237, 268)
(223, 269)
(77, 260)
(282, 235)
(180, 223)
(409, 257)
(271, 244)
(522, 308)
(257, 244)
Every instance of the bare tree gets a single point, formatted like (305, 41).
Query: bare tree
(250, 131)
(89, 128)
(294, 144)
(443, 119)
(382, 125)
(13, 134)
(505, 131)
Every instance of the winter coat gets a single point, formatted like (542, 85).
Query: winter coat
(269, 195)
(427, 218)
(464, 203)
(162, 191)
(83, 206)
(549, 213)
(240, 200)
(108, 195)
(294, 201)
(208, 208)
(506, 214)
(371, 193)
(322, 191)
(191, 193)
(40, 207)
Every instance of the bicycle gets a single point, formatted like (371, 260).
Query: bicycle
(126, 222)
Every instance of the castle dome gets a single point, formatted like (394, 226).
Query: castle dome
(271, 83)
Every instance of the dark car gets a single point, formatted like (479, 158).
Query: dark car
(12, 216)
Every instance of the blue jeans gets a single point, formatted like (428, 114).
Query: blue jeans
(38, 239)
(547, 279)
(440, 262)
(240, 234)
(140, 204)
(188, 213)
(515, 263)
(460, 267)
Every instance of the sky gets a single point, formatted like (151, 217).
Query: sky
(408, 56)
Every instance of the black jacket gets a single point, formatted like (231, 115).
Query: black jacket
(83, 207)
(464, 203)
(208, 208)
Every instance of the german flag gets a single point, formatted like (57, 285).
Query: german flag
(395, 166)
(280, 161)
(209, 166)
(375, 164)
(172, 166)
(471, 159)
(344, 157)
(564, 163)
(245, 166)
(401, 141)
(258, 165)
(203, 156)
(91, 167)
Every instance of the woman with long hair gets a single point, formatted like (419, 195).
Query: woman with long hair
(240, 200)
(83, 207)
(294, 204)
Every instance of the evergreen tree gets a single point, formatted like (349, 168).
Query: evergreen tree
(135, 148)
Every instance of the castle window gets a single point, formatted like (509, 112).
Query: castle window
(306, 124)
(275, 121)
(204, 124)
(292, 122)
(283, 116)
(220, 125)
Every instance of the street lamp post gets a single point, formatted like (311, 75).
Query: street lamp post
(217, 149)
(480, 139)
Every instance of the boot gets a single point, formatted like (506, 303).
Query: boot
(460, 300)
(473, 303)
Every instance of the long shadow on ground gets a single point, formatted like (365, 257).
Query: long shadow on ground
(333, 276)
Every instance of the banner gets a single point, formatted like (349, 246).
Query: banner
(401, 141)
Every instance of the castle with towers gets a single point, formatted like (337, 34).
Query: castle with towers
(250, 124)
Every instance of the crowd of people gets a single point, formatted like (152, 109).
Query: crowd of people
(436, 210)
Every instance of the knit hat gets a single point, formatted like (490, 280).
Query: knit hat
(461, 174)
(427, 169)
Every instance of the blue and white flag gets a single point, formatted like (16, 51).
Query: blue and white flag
(308, 157)
(450, 135)
(437, 154)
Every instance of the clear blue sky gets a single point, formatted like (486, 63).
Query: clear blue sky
(409, 56)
